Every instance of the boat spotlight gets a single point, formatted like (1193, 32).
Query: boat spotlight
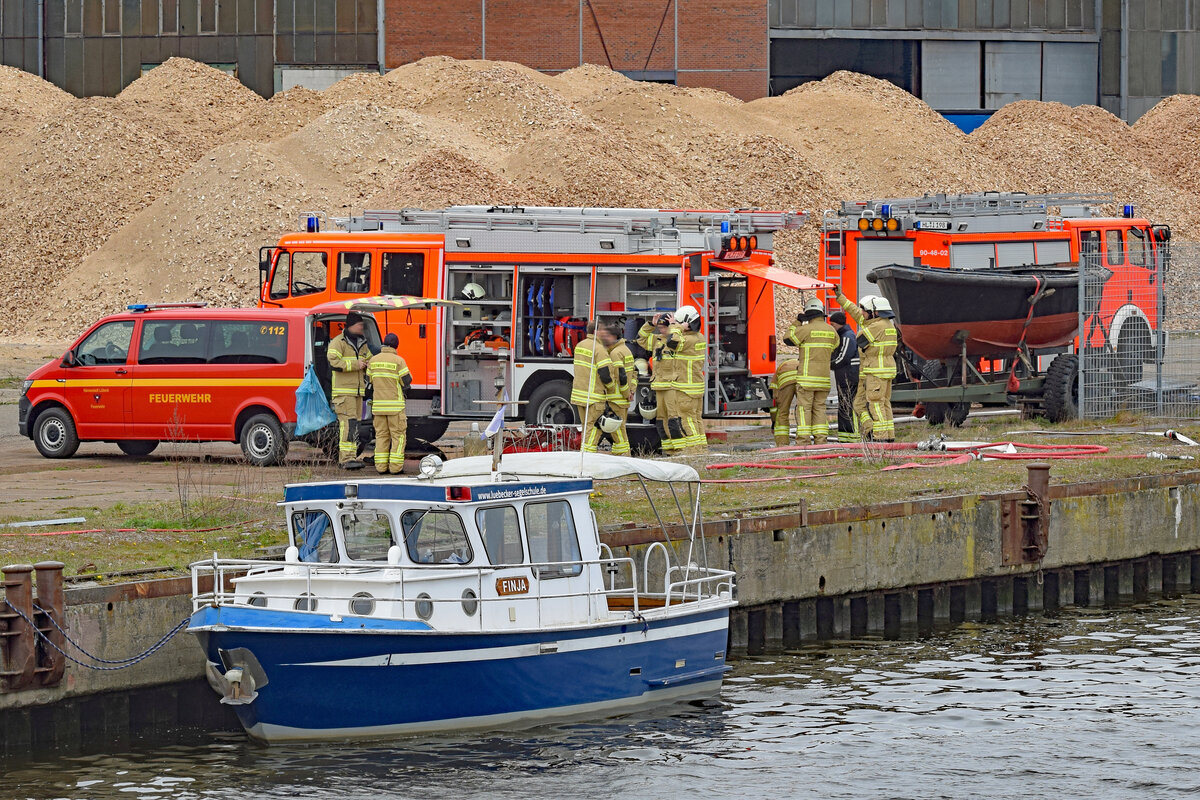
(430, 466)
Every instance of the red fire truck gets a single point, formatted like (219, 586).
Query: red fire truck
(528, 280)
(986, 288)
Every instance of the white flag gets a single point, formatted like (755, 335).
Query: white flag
(497, 422)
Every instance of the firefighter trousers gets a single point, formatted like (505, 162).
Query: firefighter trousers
(660, 420)
(684, 423)
(348, 410)
(873, 408)
(847, 387)
(391, 431)
(591, 433)
(620, 439)
(785, 393)
(811, 420)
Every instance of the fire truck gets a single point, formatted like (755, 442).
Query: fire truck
(527, 279)
(986, 290)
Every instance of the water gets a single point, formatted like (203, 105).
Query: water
(1089, 704)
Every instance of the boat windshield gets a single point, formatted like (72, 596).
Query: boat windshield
(501, 534)
(367, 535)
(551, 531)
(435, 537)
(308, 533)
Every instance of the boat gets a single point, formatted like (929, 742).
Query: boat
(987, 312)
(465, 598)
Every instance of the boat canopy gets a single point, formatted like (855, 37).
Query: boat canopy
(570, 465)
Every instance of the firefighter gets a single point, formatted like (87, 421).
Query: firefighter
(653, 338)
(783, 389)
(816, 340)
(624, 382)
(845, 376)
(877, 341)
(348, 354)
(594, 383)
(687, 349)
(390, 379)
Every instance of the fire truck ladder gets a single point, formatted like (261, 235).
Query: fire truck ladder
(976, 204)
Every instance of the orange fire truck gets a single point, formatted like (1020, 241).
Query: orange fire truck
(986, 289)
(528, 280)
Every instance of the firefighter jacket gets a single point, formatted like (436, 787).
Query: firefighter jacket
(348, 379)
(625, 373)
(687, 350)
(389, 378)
(816, 340)
(593, 373)
(877, 339)
(662, 374)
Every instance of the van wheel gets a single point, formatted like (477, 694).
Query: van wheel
(550, 404)
(262, 441)
(54, 434)
(137, 447)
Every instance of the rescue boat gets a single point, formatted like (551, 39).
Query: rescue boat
(944, 312)
(466, 598)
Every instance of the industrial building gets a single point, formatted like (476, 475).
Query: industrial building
(964, 57)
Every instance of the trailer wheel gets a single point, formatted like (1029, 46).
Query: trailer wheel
(54, 433)
(935, 413)
(428, 429)
(550, 404)
(263, 441)
(1060, 393)
(956, 413)
(137, 447)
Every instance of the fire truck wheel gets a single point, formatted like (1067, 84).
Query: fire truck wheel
(137, 447)
(262, 441)
(550, 404)
(54, 434)
(1134, 349)
(1060, 392)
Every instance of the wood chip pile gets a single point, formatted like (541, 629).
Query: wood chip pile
(166, 192)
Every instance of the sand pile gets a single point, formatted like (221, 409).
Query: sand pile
(25, 102)
(282, 115)
(1170, 133)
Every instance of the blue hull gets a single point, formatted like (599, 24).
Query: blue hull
(333, 682)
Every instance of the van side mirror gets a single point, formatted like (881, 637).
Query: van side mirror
(69, 359)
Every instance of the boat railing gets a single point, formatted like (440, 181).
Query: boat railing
(412, 584)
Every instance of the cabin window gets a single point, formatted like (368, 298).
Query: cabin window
(280, 279)
(367, 535)
(435, 537)
(1089, 247)
(404, 273)
(108, 344)
(354, 273)
(309, 271)
(312, 537)
(1137, 248)
(501, 534)
(249, 342)
(1114, 248)
(173, 342)
(550, 529)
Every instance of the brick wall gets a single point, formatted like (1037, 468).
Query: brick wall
(722, 43)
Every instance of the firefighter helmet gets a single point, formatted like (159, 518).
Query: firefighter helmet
(814, 308)
(867, 302)
(473, 291)
(688, 317)
(608, 421)
(647, 403)
(882, 307)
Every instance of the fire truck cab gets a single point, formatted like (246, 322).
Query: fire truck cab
(527, 280)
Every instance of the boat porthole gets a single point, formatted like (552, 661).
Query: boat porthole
(305, 602)
(424, 606)
(362, 604)
(257, 599)
(470, 602)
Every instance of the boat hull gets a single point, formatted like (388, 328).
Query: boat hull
(940, 310)
(334, 683)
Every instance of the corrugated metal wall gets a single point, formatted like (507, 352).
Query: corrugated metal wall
(99, 46)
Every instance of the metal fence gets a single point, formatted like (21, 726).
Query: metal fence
(1139, 340)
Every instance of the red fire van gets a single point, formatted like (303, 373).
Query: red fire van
(182, 372)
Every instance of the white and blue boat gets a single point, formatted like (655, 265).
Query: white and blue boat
(466, 598)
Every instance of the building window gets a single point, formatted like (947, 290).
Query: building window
(168, 17)
(74, 18)
(112, 17)
(208, 16)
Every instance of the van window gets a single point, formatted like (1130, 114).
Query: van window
(501, 534)
(354, 273)
(108, 344)
(404, 273)
(280, 280)
(249, 342)
(367, 534)
(550, 529)
(1112, 245)
(309, 271)
(435, 537)
(312, 536)
(173, 342)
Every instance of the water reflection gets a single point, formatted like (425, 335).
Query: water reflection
(1086, 704)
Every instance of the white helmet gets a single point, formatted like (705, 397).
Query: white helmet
(867, 301)
(642, 366)
(609, 422)
(882, 306)
(473, 291)
(647, 403)
(686, 315)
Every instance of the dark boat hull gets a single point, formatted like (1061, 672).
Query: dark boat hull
(937, 309)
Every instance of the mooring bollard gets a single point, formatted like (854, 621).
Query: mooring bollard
(50, 600)
(20, 640)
